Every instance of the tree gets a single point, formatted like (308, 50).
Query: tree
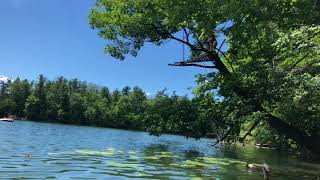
(115, 95)
(125, 91)
(78, 107)
(129, 110)
(41, 95)
(31, 107)
(20, 91)
(59, 100)
(269, 42)
(7, 106)
(105, 94)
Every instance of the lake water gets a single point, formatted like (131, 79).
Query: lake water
(30, 150)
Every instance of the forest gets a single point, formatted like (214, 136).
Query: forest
(79, 102)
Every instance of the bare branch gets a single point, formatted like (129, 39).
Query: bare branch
(170, 36)
(295, 64)
(135, 41)
(192, 47)
(221, 45)
(250, 130)
(223, 138)
(219, 50)
(186, 33)
(196, 38)
(200, 43)
(224, 26)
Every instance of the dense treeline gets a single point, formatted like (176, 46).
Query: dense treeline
(78, 102)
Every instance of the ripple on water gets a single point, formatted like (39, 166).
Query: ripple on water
(44, 151)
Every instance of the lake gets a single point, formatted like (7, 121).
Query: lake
(31, 150)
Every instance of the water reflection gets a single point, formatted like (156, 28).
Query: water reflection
(39, 150)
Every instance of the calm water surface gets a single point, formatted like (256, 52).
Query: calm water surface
(30, 150)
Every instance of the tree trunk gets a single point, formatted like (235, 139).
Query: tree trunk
(311, 143)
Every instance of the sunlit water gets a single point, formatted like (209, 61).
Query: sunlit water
(30, 150)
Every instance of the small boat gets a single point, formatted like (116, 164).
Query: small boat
(7, 119)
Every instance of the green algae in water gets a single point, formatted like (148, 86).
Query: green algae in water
(194, 163)
(197, 178)
(209, 161)
(165, 153)
(131, 152)
(221, 161)
(161, 155)
(140, 174)
(189, 164)
(95, 153)
(150, 157)
(158, 157)
(134, 157)
(122, 165)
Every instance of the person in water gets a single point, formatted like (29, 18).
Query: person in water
(265, 169)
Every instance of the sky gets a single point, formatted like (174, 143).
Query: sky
(53, 37)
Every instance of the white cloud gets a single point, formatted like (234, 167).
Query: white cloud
(148, 94)
(4, 78)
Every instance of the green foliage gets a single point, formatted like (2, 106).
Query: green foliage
(7, 105)
(179, 115)
(76, 102)
(20, 91)
(129, 24)
(267, 82)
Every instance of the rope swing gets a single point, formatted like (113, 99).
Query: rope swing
(183, 47)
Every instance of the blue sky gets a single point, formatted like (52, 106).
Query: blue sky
(53, 37)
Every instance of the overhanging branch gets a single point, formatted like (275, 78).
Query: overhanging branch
(295, 64)
(186, 34)
(255, 124)
(218, 64)
(219, 50)
(192, 47)
(223, 138)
